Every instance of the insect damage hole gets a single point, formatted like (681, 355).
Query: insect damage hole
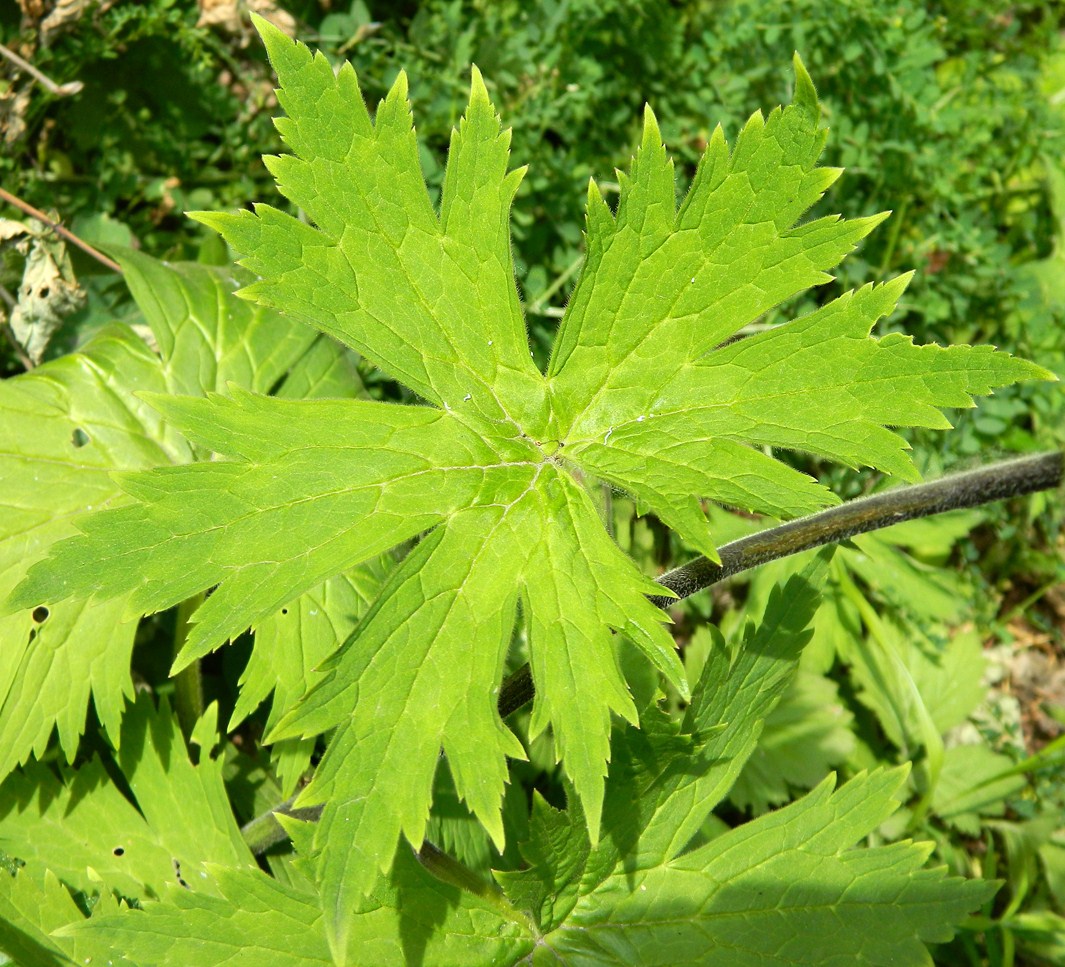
(40, 614)
(79, 438)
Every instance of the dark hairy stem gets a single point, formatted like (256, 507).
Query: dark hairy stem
(997, 481)
(971, 488)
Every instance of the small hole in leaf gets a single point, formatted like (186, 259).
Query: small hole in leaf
(118, 851)
(33, 634)
(284, 610)
(44, 292)
(79, 438)
(40, 614)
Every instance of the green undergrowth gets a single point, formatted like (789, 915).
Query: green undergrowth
(284, 528)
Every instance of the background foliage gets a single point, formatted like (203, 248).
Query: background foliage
(951, 114)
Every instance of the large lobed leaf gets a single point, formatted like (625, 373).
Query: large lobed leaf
(786, 888)
(63, 428)
(85, 831)
(66, 427)
(643, 390)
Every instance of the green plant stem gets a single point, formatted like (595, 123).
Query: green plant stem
(997, 481)
(537, 306)
(449, 870)
(893, 238)
(188, 683)
(265, 831)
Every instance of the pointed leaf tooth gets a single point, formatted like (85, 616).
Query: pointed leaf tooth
(282, 50)
(478, 91)
(805, 93)
(648, 197)
(733, 256)
(709, 173)
(598, 214)
(652, 136)
(396, 105)
(313, 95)
(749, 141)
(512, 182)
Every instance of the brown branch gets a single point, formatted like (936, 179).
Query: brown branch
(60, 90)
(60, 230)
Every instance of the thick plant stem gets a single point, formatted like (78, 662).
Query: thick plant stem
(449, 870)
(265, 831)
(984, 485)
(188, 683)
(998, 481)
(1010, 478)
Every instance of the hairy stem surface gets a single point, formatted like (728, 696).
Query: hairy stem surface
(984, 485)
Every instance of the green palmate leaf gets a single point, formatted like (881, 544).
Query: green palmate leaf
(641, 391)
(256, 921)
(30, 910)
(808, 734)
(747, 898)
(785, 888)
(68, 425)
(89, 834)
